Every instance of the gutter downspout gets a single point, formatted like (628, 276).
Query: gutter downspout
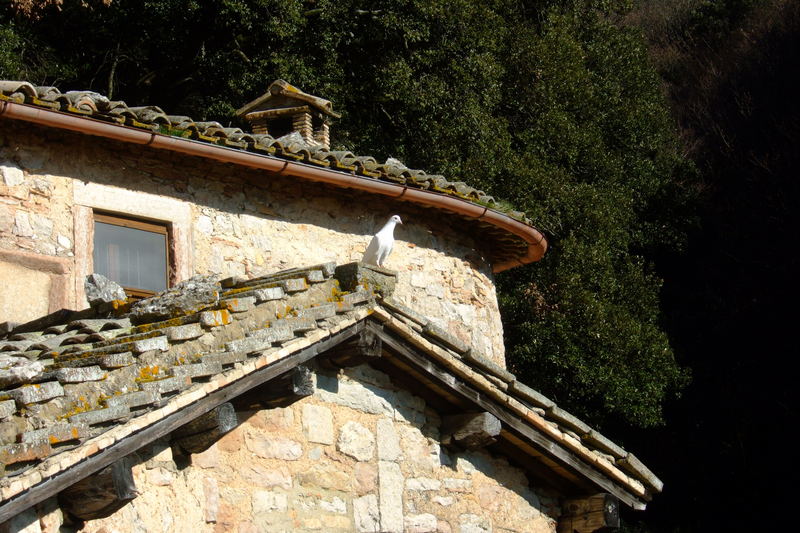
(537, 244)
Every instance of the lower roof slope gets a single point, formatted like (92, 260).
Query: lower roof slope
(79, 390)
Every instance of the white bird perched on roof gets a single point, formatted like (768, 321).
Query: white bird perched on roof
(381, 244)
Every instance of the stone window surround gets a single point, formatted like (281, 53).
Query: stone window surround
(88, 197)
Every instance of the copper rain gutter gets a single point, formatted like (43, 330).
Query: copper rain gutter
(537, 245)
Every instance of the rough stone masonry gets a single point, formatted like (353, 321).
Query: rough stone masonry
(360, 454)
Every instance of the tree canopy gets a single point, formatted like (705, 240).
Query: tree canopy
(551, 105)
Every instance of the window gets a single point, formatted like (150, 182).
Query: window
(134, 253)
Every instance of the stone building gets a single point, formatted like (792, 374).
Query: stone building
(234, 388)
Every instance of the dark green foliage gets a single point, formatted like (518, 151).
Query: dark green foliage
(10, 43)
(600, 163)
(551, 105)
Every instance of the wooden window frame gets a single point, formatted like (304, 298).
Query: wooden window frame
(152, 226)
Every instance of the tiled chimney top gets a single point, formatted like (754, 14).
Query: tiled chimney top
(284, 109)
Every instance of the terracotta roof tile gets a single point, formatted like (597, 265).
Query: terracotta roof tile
(88, 103)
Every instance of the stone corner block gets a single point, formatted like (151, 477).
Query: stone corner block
(388, 441)
(390, 489)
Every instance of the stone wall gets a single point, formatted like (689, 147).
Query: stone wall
(229, 221)
(359, 455)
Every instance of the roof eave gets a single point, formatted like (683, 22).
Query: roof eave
(536, 242)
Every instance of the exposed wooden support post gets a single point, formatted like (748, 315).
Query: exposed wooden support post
(360, 349)
(470, 431)
(302, 382)
(287, 389)
(588, 515)
(284, 390)
(102, 493)
(206, 429)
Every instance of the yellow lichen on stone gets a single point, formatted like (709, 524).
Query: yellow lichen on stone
(336, 294)
(148, 373)
(233, 292)
(121, 307)
(81, 406)
(146, 328)
(226, 316)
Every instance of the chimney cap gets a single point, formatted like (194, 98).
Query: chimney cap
(282, 94)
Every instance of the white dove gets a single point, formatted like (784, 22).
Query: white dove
(381, 244)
